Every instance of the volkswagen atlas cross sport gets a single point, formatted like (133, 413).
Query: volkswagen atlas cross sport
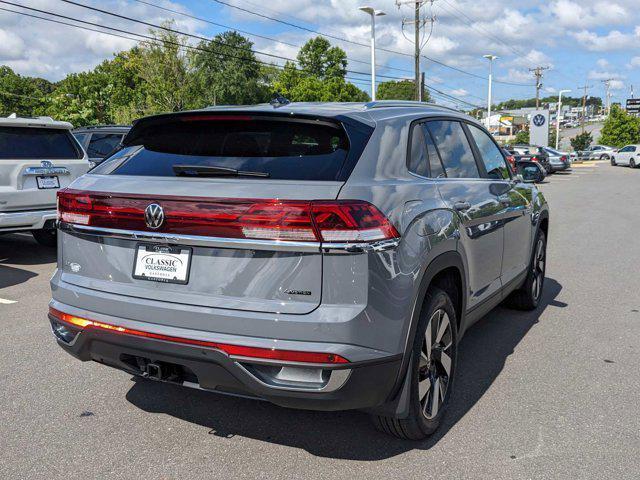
(38, 156)
(319, 256)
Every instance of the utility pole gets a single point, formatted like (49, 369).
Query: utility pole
(538, 74)
(418, 22)
(607, 99)
(631, 91)
(421, 86)
(584, 103)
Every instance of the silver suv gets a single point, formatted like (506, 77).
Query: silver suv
(319, 256)
(38, 156)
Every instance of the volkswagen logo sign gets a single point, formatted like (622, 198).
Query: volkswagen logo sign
(46, 164)
(154, 216)
(538, 120)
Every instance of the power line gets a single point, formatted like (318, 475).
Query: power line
(121, 33)
(346, 40)
(257, 35)
(200, 37)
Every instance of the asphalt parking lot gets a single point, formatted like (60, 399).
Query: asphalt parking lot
(548, 394)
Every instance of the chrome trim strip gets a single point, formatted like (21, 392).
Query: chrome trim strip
(243, 243)
(192, 240)
(30, 171)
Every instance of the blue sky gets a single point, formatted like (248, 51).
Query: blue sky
(583, 42)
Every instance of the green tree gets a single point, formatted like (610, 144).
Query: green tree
(320, 77)
(620, 128)
(581, 141)
(522, 137)
(165, 69)
(318, 58)
(26, 96)
(227, 72)
(400, 90)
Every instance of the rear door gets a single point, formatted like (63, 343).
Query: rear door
(515, 212)
(35, 163)
(465, 190)
(237, 235)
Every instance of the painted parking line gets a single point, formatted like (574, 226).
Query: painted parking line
(5, 301)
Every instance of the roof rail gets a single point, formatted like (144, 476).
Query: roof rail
(88, 127)
(404, 103)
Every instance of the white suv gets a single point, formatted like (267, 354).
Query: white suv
(38, 156)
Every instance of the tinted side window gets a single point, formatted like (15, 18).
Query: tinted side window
(455, 151)
(418, 159)
(490, 153)
(102, 144)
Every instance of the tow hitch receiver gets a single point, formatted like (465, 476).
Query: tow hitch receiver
(153, 371)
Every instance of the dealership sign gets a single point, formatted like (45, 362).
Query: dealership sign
(539, 128)
(633, 105)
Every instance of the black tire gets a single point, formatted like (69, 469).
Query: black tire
(604, 156)
(46, 237)
(613, 161)
(632, 163)
(428, 371)
(528, 296)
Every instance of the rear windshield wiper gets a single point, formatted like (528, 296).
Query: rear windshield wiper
(213, 171)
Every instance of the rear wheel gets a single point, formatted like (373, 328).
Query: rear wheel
(528, 296)
(46, 237)
(432, 370)
(604, 156)
(632, 163)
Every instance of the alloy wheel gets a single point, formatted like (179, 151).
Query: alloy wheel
(538, 269)
(434, 371)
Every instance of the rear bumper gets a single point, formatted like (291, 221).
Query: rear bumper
(29, 220)
(357, 385)
(558, 167)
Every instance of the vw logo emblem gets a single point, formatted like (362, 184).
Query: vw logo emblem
(46, 164)
(538, 120)
(154, 216)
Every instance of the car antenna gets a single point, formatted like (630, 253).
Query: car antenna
(279, 101)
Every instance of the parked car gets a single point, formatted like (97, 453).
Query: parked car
(100, 140)
(558, 161)
(38, 156)
(523, 166)
(596, 152)
(629, 155)
(534, 154)
(319, 256)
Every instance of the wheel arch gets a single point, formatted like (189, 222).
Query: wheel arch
(446, 271)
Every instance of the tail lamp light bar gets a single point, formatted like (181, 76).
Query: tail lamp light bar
(273, 219)
(229, 349)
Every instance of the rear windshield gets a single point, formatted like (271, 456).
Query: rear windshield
(37, 143)
(281, 149)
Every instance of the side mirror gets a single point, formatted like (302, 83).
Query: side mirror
(531, 172)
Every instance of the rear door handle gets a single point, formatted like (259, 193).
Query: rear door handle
(462, 206)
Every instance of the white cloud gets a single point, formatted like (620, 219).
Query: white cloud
(459, 92)
(614, 40)
(603, 63)
(634, 62)
(569, 14)
(37, 47)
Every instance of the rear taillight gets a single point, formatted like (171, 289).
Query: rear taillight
(82, 323)
(534, 159)
(563, 158)
(292, 220)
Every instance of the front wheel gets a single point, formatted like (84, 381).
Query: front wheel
(46, 237)
(528, 296)
(632, 163)
(613, 161)
(432, 370)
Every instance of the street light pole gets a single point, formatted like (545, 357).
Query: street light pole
(558, 116)
(491, 58)
(374, 13)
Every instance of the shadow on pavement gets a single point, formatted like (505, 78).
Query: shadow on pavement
(349, 435)
(21, 250)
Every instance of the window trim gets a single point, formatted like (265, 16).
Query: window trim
(479, 154)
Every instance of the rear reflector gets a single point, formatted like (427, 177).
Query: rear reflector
(232, 350)
(292, 220)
